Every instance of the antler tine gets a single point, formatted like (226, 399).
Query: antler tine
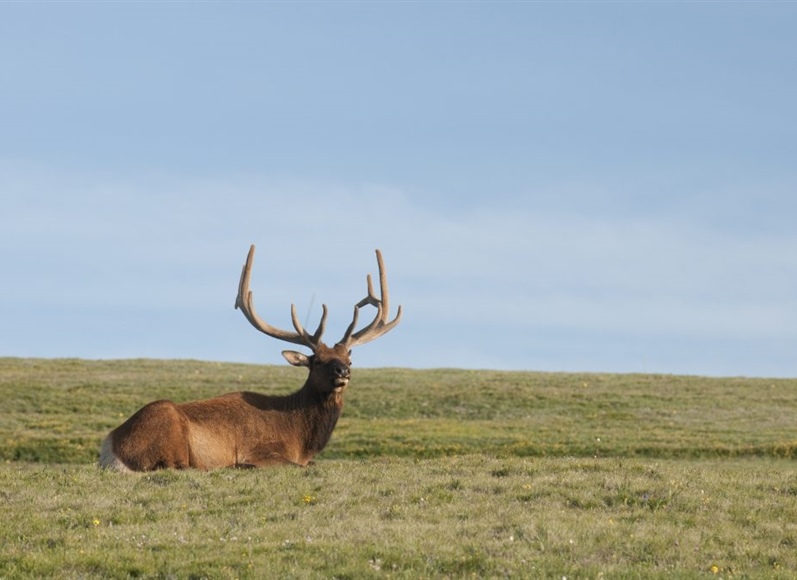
(350, 329)
(315, 338)
(379, 325)
(245, 303)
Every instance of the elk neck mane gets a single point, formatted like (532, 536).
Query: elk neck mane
(312, 414)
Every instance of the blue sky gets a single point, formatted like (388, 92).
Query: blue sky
(559, 186)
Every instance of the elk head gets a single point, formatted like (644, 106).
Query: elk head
(330, 367)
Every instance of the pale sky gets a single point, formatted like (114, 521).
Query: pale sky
(556, 186)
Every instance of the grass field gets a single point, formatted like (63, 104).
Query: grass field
(434, 473)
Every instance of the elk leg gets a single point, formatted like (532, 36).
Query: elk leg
(273, 453)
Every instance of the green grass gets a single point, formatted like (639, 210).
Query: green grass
(430, 474)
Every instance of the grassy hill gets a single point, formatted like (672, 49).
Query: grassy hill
(57, 411)
(437, 473)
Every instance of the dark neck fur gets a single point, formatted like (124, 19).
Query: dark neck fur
(310, 415)
(318, 414)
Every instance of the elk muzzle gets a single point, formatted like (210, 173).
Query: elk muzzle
(342, 374)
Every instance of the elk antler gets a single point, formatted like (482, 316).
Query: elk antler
(244, 302)
(380, 324)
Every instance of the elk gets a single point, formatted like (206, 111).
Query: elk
(246, 429)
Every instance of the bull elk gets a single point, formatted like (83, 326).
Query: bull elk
(247, 429)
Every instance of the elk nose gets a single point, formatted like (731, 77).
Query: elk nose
(342, 371)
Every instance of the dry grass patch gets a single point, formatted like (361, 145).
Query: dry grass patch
(448, 517)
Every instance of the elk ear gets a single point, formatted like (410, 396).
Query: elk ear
(297, 359)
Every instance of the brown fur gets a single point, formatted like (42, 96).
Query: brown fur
(242, 429)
